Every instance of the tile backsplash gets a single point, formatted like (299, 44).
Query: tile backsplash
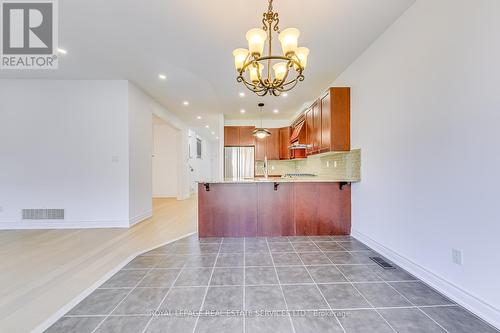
(334, 165)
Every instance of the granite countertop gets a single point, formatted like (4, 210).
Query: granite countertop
(280, 180)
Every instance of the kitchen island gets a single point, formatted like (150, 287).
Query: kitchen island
(274, 207)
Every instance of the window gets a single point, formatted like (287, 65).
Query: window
(198, 148)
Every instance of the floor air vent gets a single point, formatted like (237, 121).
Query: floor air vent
(381, 262)
(43, 214)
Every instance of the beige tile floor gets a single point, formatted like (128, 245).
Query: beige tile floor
(44, 271)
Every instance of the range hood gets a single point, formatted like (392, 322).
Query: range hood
(297, 132)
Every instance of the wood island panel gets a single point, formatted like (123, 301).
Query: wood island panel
(275, 210)
(322, 209)
(257, 209)
(227, 210)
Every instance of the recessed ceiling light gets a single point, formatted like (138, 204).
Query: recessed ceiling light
(242, 94)
(62, 51)
(217, 137)
(285, 94)
(276, 111)
(186, 103)
(162, 76)
(213, 133)
(242, 111)
(199, 117)
(207, 126)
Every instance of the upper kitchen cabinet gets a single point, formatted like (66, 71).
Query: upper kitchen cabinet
(309, 130)
(316, 136)
(285, 133)
(336, 120)
(273, 144)
(238, 136)
(328, 122)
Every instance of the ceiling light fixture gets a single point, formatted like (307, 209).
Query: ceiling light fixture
(242, 111)
(62, 51)
(162, 76)
(261, 132)
(250, 63)
(242, 94)
(186, 103)
(284, 94)
(213, 133)
(276, 111)
(207, 126)
(199, 117)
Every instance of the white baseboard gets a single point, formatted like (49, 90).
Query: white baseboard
(61, 312)
(472, 303)
(141, 217)
(62, 224)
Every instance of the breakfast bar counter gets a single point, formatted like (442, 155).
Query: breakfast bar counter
(274, 207)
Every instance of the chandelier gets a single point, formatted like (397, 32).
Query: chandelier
(283, 72)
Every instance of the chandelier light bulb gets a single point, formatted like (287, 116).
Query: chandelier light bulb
(256, 39)
(280, 69)
(240, 55)
(302, 53)
(254, 76)
(289, 39)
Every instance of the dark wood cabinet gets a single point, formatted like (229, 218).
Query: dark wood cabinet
(328, 122)
(309, 130)
(246, 136)
(273, 144)
(322, 209)
(316, 110)
(285, 133)
(260, 149)
(325, 123)
(238, 136)
(275, 210)
(340, 110)
(231, 136)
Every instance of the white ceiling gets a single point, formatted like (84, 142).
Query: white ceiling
(191, 41)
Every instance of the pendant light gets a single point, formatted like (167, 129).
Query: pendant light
(261, 132)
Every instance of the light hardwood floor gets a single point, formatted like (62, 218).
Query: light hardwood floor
(42, 271)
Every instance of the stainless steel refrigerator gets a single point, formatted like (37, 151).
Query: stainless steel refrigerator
(239, 163)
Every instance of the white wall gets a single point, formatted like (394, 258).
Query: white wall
(64, 144)
(201, 167)
(140, 154)
(165, 151)
(426, 113)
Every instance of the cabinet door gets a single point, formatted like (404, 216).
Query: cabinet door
(326, 123)
(317, 126)
(273, 144)
(285, 143)
(260, 149)
(309, 130)
(246, 136)
(231, 136)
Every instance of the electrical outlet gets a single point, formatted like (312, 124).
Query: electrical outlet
(456, 256)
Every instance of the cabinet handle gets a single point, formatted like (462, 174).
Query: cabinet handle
(207, 187)
(276, 186)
